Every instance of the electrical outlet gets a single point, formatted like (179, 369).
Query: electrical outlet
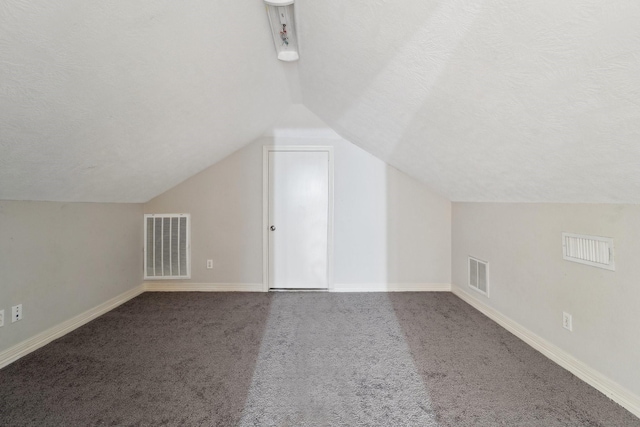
(209, 264)
(16, 313)
(1, 318)
(567, 321)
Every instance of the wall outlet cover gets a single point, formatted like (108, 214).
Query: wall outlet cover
(1, 318)
(16, 313)
(567, 321)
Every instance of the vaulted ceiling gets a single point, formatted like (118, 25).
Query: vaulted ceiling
(482, 100)
(119, 101)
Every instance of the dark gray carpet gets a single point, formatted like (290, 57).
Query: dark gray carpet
(160, 359)
(479, 374)
(296, 359)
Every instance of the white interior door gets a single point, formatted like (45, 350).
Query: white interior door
(298, 219)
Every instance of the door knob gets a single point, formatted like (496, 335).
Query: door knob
(273, 228)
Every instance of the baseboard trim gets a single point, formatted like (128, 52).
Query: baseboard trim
(202, 287)
(608, 387)
(19, 350)
(391, 287)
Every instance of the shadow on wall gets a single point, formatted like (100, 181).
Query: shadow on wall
(418, 230)
(388, 228)
(225, 203)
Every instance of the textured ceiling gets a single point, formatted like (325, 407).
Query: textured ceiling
(484, 100)
(119, 101)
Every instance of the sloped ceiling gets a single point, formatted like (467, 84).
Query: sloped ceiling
(484, 100)
(119, 101)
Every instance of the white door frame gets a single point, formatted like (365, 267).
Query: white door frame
(265, 208)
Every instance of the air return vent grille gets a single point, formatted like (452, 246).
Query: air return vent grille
(479, 275)
(167, 246)
(590, 250)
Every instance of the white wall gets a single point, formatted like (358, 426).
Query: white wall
(61, 259)
(533, 285)
(388, 228)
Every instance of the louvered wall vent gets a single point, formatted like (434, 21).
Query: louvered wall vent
(167, 246)
(479, 275)
(590, 250)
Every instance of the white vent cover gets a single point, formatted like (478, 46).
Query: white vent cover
(590, 250)
(167, 246)
(479, 275)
